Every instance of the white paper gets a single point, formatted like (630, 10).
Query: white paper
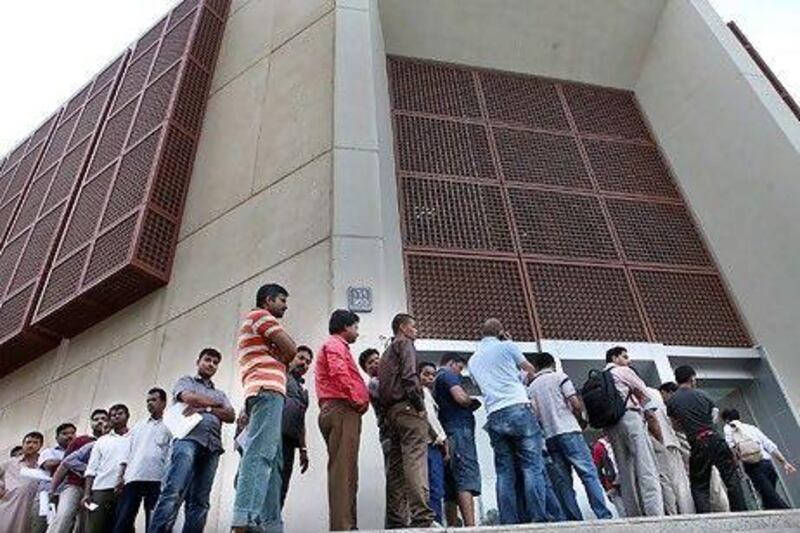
(44, 503)
(34, 473)
(178, 424)
(91, 506)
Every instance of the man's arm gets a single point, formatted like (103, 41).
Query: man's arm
(95, 459)
(576, 406)
(408, 376)
(225, 412)
(268, 327)
(653, 426)
(522, 363)
(339, 371)
(49, 463)
(773, 450)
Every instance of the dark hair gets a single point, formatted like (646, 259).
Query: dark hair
(543, 360)
(449, 357)
(616, 351)
(65, 425)
(341, 319)
(213, 352)
(398, 321)
(162, 394)
(424, 364)
(364, 357)
(119, 407)
(98, 412)
(34, 435)
(15, 450)
(271, 291)
(729, 415)
(669, 386)
(304, 348)
(684, 374)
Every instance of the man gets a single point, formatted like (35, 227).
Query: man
(456, 408)
(265, 350)
(343, 399)
(633, 450)
(403, 403)
(68, 482)
(17, 492)
(144, 465)
(755, 450)
(49, 459)
(513, 429)
(675, 487)
(102, 472)
(194, 458)
(369, 360)
(694, 412)
(16, 451)
(294, 417)
(437, 445)
(560, 413)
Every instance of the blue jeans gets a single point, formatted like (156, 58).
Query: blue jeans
(517, 442)
(569, 451)
(554, 482)
(190, 476)
(258, 492)
(436, 480)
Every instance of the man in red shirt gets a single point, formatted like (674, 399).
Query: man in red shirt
(343, 398)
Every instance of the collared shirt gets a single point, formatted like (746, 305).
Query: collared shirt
(208, 432)
(397, 375)
(495, 367)
(767, 446)
(148, 451)
(550, 392)
(49, 454)
(659, 409)
(627, 383)
(259, 365)
(294, 409)
(337, 377)
(432, 411)
(76, 456)
(105, 461)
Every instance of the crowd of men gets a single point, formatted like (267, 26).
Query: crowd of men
(660, 451)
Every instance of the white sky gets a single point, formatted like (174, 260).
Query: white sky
(50, 48)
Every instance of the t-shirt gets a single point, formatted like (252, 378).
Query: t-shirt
(259, 365)
(549, 392)
(452, 415)
(693, 411)
(495, 367)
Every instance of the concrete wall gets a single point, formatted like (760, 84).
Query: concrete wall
(600, 42)
(258, 210)
(735, 151)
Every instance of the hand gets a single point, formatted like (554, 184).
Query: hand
(86, 500)
(789, 468)
(303, 460)
(119, 486)
(446, 451)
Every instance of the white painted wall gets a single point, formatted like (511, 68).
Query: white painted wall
(735, 151)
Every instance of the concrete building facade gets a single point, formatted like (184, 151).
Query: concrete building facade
(295, 180)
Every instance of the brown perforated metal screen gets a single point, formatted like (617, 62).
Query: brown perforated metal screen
(91, 203)
(548, 205)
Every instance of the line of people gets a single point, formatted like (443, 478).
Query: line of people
(536, 419)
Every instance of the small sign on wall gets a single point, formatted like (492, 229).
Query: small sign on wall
(359, 299)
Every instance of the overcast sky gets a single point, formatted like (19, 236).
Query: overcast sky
(50, 48)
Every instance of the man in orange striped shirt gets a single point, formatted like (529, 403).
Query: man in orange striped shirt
(265, 350)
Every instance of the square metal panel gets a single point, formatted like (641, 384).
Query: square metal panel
(454, 215)
(605, 111)
(432, 88)
(451, 297)
(531, 157)
(442, 147)
(690, 309)
(630, 168)
(566, 225)
(120, 239)
(584, 303)
(523, 100)
(658, 233)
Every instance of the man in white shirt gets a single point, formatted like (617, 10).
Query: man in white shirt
(760, 467)
(102, 472)
(144, 467)
(437, 447)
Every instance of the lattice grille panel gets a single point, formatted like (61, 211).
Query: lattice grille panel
(630, 168)
(434, 89)
(530, 157)
(605, 112)
(523, 100)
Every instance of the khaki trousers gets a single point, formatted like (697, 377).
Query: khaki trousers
(407, 472)
(674, 480)
(340, 425)
(68, 511)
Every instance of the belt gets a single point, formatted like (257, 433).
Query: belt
(704, 434)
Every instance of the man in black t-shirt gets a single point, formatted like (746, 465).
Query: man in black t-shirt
(694, 413)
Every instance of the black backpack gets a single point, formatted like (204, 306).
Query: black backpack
(604, 405)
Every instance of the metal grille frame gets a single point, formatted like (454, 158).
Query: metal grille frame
(577, 170)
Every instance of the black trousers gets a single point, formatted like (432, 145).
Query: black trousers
(132, 497)
(764, 479)
(709, 451)
(289, 447)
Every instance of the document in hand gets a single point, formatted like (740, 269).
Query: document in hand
(34, 473)
(179, 424)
